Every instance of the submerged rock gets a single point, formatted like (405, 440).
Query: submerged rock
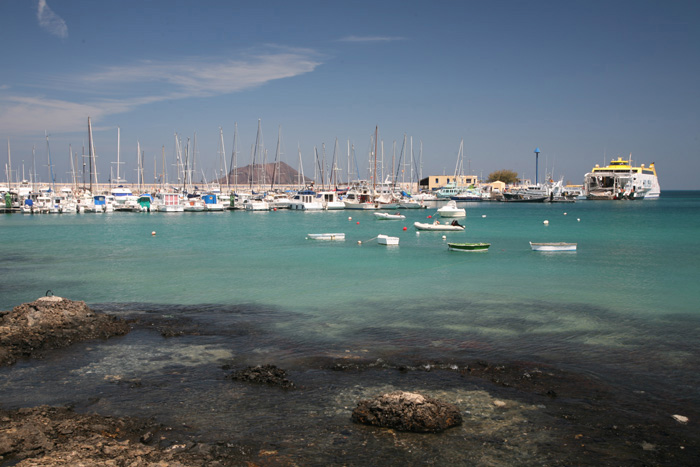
(52, 323)
(407, 411)
(265, 374)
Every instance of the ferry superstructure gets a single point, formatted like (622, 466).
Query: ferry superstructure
(622, 180)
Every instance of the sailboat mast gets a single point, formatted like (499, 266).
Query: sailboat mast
(9, 164)
(162, 176)
(374, 178)
(234, 156)
(91, 149)
(119, 139)
(72, 166)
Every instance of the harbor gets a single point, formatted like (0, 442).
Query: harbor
(349, 320)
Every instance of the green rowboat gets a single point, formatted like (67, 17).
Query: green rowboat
(469, 246)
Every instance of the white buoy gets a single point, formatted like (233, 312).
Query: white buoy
(579, 219)
(483, 215)
(417, 233)
(565, 214)
(349, 218)
(359, 242)
(546, 222)
(444, 237)
(153, 233)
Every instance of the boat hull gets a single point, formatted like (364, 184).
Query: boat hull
(386, 240)
(326, 236)
(553, 246)
(469, 247)
(438, 227)
(386, 216)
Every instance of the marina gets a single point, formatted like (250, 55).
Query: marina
(230, 282)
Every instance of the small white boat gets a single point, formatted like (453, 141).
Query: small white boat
(326, 236)
(437, 226)
(386, 240)
(451, 210)
(553, 246)
(388, 216)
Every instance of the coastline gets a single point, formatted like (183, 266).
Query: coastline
(524, 413)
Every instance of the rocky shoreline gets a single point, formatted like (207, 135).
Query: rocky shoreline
(51, 323)
(572, 419)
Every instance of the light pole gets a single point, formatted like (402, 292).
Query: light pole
(537, 156)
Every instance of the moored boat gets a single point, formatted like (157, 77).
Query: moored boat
(468, 246)
(387, 240)
(451, 210)
(438, 226)
(553, 246)
(388, 216)
(326, 236)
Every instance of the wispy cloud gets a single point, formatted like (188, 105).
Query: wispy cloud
(371, 39)
(50, 21)
(127, 87)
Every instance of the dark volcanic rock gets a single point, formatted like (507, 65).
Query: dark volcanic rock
(52, 323)
(407, 411)
(53, 436)
(265, 374)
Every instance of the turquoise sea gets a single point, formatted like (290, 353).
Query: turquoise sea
(623, 310)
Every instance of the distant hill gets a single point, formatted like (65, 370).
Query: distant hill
(259, 172)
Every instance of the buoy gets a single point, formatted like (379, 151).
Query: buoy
(274, 209)
(565, 214)
(417, 233)
(349, 218)
(359, 242)
(484, 215)
(444, 237)
(430, 217)
(405, 228)
(153, 233)
(579, 219)
(358, 222)
(546, 222)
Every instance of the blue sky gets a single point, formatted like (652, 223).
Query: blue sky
(584, 81)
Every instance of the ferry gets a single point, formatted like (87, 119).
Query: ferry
(622, 180)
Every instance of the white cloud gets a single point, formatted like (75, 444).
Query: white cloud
(50, 21)
(371, 39)
(125, 88)
(196, 77)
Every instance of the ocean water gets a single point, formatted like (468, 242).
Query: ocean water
(251, 288)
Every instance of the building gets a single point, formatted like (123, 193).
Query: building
(438, 181)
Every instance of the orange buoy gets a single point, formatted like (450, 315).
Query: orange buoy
(405, 228)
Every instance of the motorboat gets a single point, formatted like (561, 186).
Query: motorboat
(388, 216)
(438, 226)
(330, 200)
(469, 246)
(305, 200)
(212, 202)
(451, 210)
(553, 246)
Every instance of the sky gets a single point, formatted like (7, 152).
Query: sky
(583, 81)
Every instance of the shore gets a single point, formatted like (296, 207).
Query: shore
(515, 413)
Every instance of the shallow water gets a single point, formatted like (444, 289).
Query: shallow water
(250, 288)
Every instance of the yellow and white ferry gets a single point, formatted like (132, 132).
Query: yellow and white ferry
(622, 180)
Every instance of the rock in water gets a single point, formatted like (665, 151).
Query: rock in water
(265, 374)
(51, 323)
(407, 411)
